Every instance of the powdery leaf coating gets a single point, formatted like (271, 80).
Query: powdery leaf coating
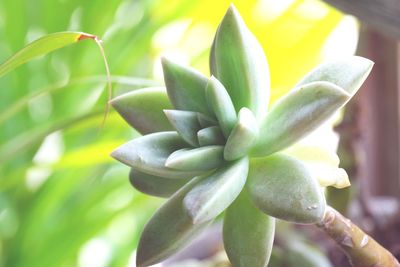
(282, 187)
(143, 109)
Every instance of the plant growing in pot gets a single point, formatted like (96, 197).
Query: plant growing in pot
(212, 145)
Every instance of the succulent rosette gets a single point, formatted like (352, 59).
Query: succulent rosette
(212, 145)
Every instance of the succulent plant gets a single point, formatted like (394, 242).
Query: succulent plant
(212, 145)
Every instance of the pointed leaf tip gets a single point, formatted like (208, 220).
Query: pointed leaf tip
(186, 87)
(216, 192)
(143, 109)
(246, 74)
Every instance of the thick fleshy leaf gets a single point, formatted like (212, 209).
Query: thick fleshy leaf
(348, 73)
(248, 233)
(214, 193)
(239, 63)
(169, 230)
(206, 121)
(149, 153)
(221, 103)
(282, 187)
(210, 136)
(186, 124)
(186, 87)
(143, 109)
(154, 185)
(42, 46)
(322, 164)
(297, 114)
(196, 159)
(242, 137)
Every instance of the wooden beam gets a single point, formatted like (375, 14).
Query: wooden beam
(383, 15)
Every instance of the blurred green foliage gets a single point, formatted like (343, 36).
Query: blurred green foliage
(61, 196)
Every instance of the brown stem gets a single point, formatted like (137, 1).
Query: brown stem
(361, 249)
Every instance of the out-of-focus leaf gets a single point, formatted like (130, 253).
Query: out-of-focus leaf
(156, 244)
(248, 233)
(197, 159)
(214, 193)
(282, 187)
(322, 164)
(246, 74)
(221, 103)
(297, 114)
(143, 109)
(243, 135)
(42, 46)
(185, 123)
(348, 73)
(149, 153)
(186, 87)
(153, 185)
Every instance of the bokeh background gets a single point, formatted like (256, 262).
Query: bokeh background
(65, 202)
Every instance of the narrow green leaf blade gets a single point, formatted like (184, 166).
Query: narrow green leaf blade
(348, 73)
(154, 185)
(169, 230)
(239, 62)
(217, 191)
(196, 159)
(42, 46)
(221, 103)
(186, 123)
(186, 87)
(149, 153)
(297, 114)
(248, 233)
(143, 109)
(282, 187)
(242, 137)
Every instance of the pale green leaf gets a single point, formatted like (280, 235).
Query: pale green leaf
(297, 114)
(196, 159)
(186, 87)
(149, 153)
(154, 185)
(143, 109)
(282, 187)
(239, 63)
(217, 191)
(242, 137)
(221, 103)
(348, 73)
(248, 233)
(169, 230)
(186, 124)
(210, 136)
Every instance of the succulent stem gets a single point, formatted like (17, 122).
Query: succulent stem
(361, 249)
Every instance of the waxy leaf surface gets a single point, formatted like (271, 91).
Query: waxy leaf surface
(196, 159)
(221, 103)
(239, 63)
(149, 153)
(215, 192)
(248, 233)
(154, 185)
(186, 124)
(348, 73)
(297, 114)
(169, 230)
(186, 87)
(143, 109)
(282, 187)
